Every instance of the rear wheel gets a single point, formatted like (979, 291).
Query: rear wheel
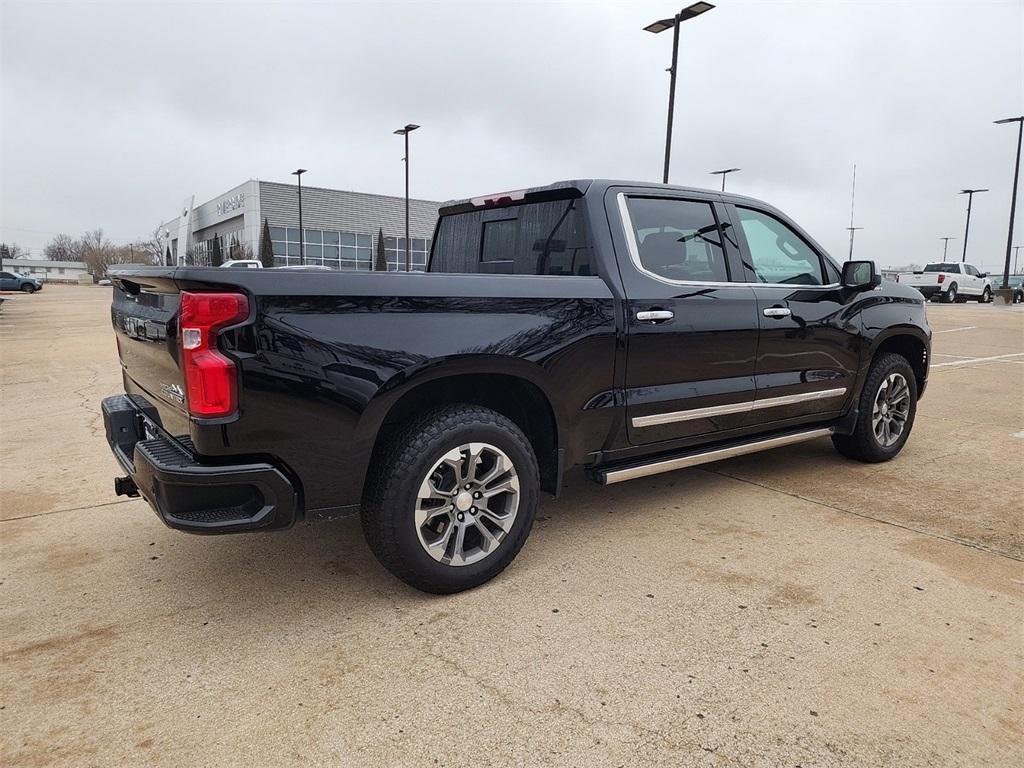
(887, 406)
(452, 499)
(950, 295)
(986, 296)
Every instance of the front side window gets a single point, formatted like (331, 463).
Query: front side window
(777, 253)
(678, 239)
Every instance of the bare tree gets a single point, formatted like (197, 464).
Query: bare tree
(13, 251)
(63, 248)
(100, 254)
(152, 246)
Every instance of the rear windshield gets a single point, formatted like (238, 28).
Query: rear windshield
(547, 238)
(941, 268)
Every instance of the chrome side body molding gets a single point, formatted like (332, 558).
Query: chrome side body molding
(745, 407)
(609, 476)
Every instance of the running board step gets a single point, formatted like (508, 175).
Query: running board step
(619, 474)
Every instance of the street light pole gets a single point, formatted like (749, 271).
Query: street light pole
(725, 172)
(1016, 253)
(660, 26)
(945, 244)
(405, 132)
(302, 233)
(1013, 195)
(967, 229)
(852, 230)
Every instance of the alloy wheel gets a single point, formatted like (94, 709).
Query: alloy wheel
(891, 409)
(467, 504)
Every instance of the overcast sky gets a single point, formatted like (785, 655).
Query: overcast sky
(112, 114)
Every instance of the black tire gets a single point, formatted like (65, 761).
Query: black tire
(401, 466)
(28, 288)
(986, 296)
(950, 295)
(863, 445)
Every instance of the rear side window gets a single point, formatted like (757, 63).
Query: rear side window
(547, 238)
(678, 239)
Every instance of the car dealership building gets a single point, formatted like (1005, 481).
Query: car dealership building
(340, 227)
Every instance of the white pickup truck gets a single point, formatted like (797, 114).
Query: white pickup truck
(950, 281)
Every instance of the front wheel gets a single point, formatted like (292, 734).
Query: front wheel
(986, 296)
(887, 406)
(28, 288)
(451, 499)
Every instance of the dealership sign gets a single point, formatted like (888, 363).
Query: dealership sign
(232, 203)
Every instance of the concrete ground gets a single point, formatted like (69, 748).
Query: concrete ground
(788, 608)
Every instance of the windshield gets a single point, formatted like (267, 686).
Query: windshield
(940, 268)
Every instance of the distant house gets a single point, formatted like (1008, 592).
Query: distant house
(48, 271)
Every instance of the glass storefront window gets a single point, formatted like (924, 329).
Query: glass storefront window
(346, 250)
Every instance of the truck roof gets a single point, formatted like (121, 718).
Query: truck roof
(567, 189)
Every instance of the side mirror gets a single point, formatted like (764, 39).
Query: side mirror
(860, 275)
(983, 274)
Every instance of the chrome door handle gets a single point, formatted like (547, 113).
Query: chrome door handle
(777, 312)
(655, 315)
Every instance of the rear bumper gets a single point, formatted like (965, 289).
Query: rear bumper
(187, 492)
(928, 290)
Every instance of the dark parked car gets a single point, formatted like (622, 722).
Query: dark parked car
(629, 328)
(12, 281)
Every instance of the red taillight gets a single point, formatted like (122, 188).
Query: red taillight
(210, 378)
(941, 277)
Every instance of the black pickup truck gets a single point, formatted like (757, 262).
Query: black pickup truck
(630, 328)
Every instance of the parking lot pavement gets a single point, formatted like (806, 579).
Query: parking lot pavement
(791, 608)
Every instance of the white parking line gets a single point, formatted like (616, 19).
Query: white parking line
(954, 330)
(970, 360)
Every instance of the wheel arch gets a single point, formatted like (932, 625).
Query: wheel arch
(514, 388)
(909, 342)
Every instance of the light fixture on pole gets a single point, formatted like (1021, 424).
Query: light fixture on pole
(660, 26)
(945, 243)
(970, 198)
(405, 132)
(1013, 195)
(302, 234)
(725, 173)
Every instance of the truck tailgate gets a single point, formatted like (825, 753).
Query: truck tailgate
(145, 320)
(925, 278)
